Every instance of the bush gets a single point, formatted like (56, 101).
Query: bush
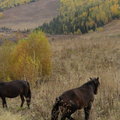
(31, 58)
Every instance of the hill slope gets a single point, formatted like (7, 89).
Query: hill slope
(82, 16)
(30, 15)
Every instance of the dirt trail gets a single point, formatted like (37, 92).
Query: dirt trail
(30, 15)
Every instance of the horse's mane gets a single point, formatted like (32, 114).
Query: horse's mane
(88, 83)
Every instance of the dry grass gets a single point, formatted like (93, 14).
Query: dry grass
(75, 59)
(7, 115)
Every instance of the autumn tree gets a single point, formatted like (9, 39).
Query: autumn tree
(31, 58)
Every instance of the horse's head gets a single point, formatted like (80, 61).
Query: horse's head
(96, 84)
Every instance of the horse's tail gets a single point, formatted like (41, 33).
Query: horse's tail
(28, 90)
(55, 109)
(28, 94)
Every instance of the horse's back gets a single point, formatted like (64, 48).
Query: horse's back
(17, 83)
(76, 92)
(79, 96)
(13, 88)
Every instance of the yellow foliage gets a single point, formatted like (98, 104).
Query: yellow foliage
(31, 57)
(100, 29)
(28, 59)
(115, 9)
(90, 22)
(84, 14)
(1, 14)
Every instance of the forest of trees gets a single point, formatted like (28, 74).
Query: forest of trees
(81, 16)
(4, 4)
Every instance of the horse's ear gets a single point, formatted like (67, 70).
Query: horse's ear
(97, 78)
(90, 78)
(96, 81)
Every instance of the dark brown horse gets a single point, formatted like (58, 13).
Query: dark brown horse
(75, 99)
(13, 89)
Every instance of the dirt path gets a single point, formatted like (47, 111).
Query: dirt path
(30, 15)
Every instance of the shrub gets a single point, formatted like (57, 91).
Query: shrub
(31, 58)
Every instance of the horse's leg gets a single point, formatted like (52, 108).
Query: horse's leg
(28, 102)
(68, 114)
(63, 117)
(70, 118)
(28, 97)
(22, 100)
(4, 102)
(87, 111)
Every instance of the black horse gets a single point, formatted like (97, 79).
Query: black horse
(13, 89)
(75, 99)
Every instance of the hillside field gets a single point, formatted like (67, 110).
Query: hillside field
(75, 59)
(30, 15)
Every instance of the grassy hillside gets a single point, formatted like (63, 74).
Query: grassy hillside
(75, 59)
(4, 4)
(82, 16)
(30, 16)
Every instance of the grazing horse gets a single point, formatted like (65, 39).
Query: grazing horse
(13, 89)
(75, 99)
